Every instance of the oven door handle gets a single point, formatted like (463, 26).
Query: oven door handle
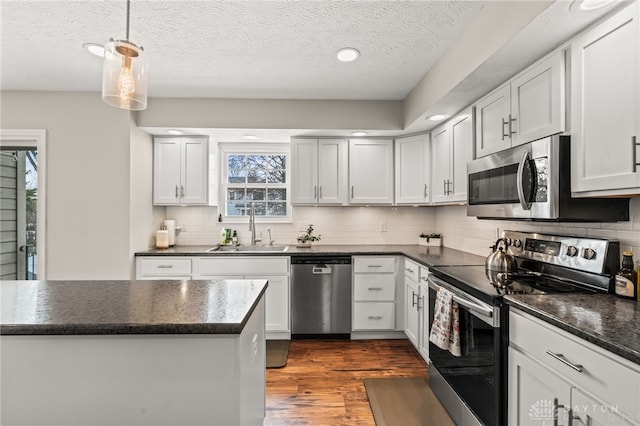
(485, 310)
(524, 162)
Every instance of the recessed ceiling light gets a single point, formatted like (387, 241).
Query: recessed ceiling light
(250, 137)
(581, 6)
(347, 54)
(358, 133)
(437, 117)
(175, 132)
(94, 48)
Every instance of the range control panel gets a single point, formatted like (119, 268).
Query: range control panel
(588, 254)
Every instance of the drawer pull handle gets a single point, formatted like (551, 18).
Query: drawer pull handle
(562, 359)
(424, 279)
(375, 317)
(374, 266)
(414, 299)
(409, 270)
(165, 266)
(375, 288)
(634, 149)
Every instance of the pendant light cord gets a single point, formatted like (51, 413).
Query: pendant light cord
(128, 6)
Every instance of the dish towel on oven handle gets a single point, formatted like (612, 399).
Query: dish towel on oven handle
(445, 330)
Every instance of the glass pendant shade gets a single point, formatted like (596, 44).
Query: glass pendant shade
(124, 75)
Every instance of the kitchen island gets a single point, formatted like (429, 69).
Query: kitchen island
(132, 352)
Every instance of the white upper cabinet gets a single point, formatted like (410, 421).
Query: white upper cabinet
(370, 171)
(529, 107)
(605, 112)
(319, 171)
(180, 171)
(412, 170)
(452, 147)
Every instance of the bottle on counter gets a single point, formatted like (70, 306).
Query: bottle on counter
(234, 239)
(627, 278)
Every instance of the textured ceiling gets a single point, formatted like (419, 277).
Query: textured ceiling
(235, 49)
(267, 49)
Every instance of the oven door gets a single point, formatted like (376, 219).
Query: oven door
(474, 376)
(509, 184)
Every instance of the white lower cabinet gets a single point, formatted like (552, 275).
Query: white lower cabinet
(554, 373)
(416, 306)
(375, 295)
(275, 269)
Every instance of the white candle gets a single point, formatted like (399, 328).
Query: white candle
(162, 239)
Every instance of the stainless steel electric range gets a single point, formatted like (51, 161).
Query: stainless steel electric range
(472, 387)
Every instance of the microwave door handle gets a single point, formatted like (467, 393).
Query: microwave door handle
(524, 162)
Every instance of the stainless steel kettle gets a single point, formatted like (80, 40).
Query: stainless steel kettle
(499, 260)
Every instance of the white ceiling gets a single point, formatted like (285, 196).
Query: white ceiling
(260, 49)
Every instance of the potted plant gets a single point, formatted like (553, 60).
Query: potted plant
(433, 239)
(307, 238)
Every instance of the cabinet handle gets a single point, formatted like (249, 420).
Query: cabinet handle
(375, 288)
(511, 125)
(424, 279)
(425, 190)
(182, 191)
(555, 411)
(562, 359)
(165, 266)
(351, 191)
(504, 123)
(320, 192)
(409, 270)
(449, 191)
(413, 299)
(634, 149)
(419, 299)
(315, 191)
(374, 266)
(445, 187)
(177, 191)
(375, 317)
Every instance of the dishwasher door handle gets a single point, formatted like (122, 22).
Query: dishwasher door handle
(321, 269)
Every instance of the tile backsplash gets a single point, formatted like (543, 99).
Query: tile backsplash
(364, 225)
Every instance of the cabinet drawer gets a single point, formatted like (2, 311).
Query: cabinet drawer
(374, 316)
(605, 375)
(373, 264)
(374, 287)
(243, 265)
(411, 270)
(164, 266)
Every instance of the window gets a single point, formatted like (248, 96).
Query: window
(256, 176)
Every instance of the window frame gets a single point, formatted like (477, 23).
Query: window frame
(227, 149)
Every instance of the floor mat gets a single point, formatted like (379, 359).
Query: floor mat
(405, 401)
(277, 353)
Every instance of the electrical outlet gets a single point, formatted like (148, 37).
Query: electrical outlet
(383, 226)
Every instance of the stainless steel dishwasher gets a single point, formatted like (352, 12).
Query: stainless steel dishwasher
(321, 297)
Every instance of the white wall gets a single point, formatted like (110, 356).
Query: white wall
(475, 236)
(88, 180)
(337, 225)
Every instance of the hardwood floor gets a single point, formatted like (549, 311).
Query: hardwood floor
(322, 383)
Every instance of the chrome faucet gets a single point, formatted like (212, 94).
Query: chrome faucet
(252, 224)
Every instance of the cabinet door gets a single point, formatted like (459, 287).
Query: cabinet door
(461, 154)
(411, 317)
(492, 122)
(589, 412)
(535, 393)
(371, 171)
(412, 170)
(441, 156)
(166, 171)
(537, 101)
(195, 185)
(605, 112)
(332, 171)
(276, 303)
(304, 173)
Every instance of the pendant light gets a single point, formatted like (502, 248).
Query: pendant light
(124, 73)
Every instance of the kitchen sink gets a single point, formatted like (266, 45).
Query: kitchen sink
(250, 249)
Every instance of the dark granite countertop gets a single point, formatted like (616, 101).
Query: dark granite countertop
(127, 307)
(428, 256)
(602, 319)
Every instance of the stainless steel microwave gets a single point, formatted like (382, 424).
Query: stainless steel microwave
(533, 182)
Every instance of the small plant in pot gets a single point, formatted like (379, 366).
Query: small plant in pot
(433, 239)
(307, 238)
